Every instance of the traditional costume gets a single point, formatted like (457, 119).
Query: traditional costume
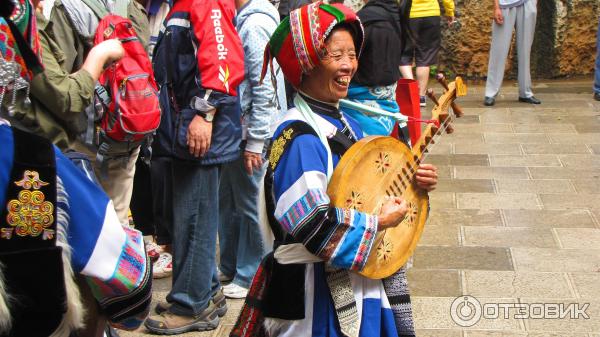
(55, 223)
(308, 286)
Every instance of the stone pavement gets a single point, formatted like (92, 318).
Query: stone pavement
(515, 220)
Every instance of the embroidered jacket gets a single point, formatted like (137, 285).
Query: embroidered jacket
(111, 258)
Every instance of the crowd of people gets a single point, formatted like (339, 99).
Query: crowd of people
(250, 123)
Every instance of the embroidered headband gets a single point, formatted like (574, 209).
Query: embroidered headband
(20, 49)
(298, 43)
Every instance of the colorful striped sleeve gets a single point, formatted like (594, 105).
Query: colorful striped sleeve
(110, 256)
(341, 237)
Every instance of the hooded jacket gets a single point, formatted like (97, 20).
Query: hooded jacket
(199, 58)
(262, 104)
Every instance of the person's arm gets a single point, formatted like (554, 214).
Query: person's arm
(449, 10)
(341, 237)
(263, 105)
(498, 17)
(67, 95)
(111, 257)
(220, 63)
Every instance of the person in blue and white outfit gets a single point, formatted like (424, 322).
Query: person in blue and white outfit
(309, 285)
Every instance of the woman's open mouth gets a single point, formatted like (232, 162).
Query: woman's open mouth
(343, 81)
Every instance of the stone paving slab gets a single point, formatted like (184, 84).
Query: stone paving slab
(480, 283)
(498, 201)
(463, 137)
(564, 172)
(586, 285)
(543, 128)
(441, 148)
(595, 148)
(467, 119)
(509, 117)
(566, 325)
(464, 217)
(556, 260)
(580, 160)
(437, 283)
(555, 149)
(548, 218)
(481, 128)
(534, 186)
(580, 138)
(509, 237)
(445, 235)
(578, 238)
(519, 138)
(433, 313)
(459, 159)
(480, 333)
(485, 148)
(473, 258)
(580, 200)
(465, 185)
(484, 172)
(525, 160)
(439, 333)
(587, 185)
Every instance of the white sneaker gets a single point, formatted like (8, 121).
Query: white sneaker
(232, 290)
(163, 267)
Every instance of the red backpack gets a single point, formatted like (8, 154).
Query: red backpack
(132, 111)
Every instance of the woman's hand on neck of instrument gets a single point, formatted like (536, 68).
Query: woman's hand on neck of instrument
(426, 177)
(393, 211)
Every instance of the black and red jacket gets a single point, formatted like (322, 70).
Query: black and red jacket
(199, 54)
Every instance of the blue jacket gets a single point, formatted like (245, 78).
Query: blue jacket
(199, 56)
(262, 105)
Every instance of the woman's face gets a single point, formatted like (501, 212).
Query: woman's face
(329, 81)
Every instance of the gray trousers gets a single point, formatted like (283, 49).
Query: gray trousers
(523, 19)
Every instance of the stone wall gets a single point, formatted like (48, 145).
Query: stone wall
(564, 43)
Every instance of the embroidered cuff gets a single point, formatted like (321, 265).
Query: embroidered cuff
(366, 243)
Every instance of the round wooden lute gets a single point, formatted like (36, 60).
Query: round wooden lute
(371, 170)
(376, 167)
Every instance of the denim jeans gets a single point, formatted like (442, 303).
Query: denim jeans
(597, 72)
(240, 239)
(195, 214)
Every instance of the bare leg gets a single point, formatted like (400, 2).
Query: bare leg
(406, 72)
(423, 79)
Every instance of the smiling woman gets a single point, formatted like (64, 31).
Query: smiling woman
(308, 286)
(329, 81)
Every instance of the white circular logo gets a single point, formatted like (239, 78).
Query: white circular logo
(465, 311)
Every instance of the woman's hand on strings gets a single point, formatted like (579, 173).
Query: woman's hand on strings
(393, 211)
(426, 177)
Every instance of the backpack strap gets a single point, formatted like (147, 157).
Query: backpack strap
(98, 8)
(120, 7)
